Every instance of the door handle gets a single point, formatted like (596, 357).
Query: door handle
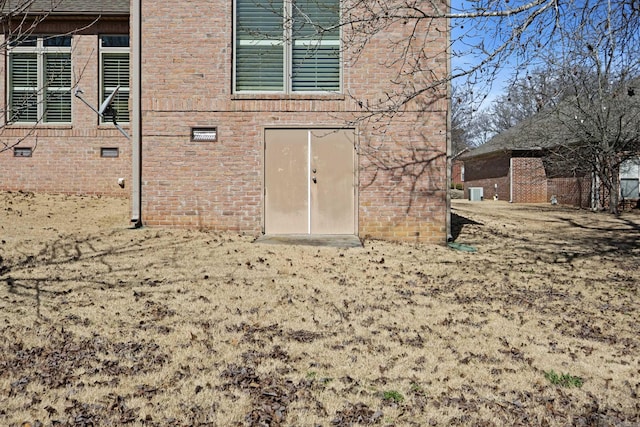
(315, 181)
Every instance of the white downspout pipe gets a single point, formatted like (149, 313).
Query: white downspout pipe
(449, 158)
(136, 115)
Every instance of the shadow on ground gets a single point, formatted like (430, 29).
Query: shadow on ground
(457, 224)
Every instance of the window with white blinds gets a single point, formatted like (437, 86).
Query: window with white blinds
(287, 46)
(630, 178)
(40, 80)
(115, 72)
(57, 107)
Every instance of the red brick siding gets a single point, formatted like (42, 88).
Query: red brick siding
(488, 172)
(66, 158)
(495, 166)
(529, 180)
(187, 82)
(530, 184)
(457, 168)
(525, 174)
(570, 191)
(489, 188)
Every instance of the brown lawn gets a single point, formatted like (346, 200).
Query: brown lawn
(104, 325)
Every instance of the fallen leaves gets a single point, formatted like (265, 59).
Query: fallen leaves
(160, 327)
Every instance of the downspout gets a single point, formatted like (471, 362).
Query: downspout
(449, 236)
(136, 115)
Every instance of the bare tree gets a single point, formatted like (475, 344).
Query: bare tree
(487, 37)
(575, 57)
(524, 97)
(599, 110)
(462, 114)
(585, 57)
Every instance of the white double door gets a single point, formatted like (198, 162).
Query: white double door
(310, 183)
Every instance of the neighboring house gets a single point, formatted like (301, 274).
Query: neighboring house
(514, 166)
(241, 122)
(48, 55)
(457, 173)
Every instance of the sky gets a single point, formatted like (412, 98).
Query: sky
(488, 33)
(466, 55)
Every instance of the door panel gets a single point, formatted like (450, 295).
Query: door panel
(309, 181)
(286, 187)
(332, 191)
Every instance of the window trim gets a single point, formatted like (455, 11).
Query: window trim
(41, 51)
(288, 46)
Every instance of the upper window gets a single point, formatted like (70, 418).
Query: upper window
(40, 80)
(287, 45)
(114, 57)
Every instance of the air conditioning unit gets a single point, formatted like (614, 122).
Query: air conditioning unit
(476, 194)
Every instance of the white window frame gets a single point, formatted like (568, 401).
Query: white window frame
(124, 90)
(41, 90)
(287, 42)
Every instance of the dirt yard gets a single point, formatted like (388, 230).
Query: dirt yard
(103, 325)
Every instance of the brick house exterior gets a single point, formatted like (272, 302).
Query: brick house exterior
(186, 84)
(538, 161)
(66, 155)
(457, 173)
(520, 176)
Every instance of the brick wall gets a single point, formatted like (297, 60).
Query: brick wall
(570, 191)
(187, 75)
(66, 157)
(457, 172)
(497, 173)
(530, 183)
(489, 172)
(187, 82)
(490, 187)
(529, 180)
(492, 166)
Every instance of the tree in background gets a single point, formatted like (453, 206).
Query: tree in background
(584, 90)
(578, 62)
(599, 111)
(462, 116)
(578, 54)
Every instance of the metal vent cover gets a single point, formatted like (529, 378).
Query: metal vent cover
(204, 134)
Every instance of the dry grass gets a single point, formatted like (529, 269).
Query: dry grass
(105, 325)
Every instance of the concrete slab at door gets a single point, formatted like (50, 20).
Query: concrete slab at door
(286, 186)
(333, 181)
